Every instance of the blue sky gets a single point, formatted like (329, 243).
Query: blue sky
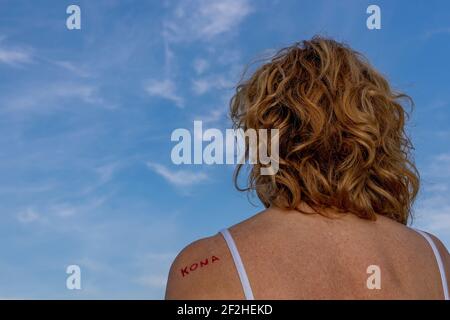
(86, 117)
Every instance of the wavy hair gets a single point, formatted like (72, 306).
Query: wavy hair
(342, 138)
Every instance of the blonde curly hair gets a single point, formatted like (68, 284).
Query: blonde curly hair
(342, 141)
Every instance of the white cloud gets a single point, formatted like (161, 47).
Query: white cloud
(442, 134)
(153, 281)
(28, 215)
(200, 65)
(106, 172)
(225, 80)
(432, 211)
(61, 210)
(443, 157)
(438, 31)
(24, 189)
(155, 267)
(73, 68)
(86, 93)
(179, 178)
(158, 257)
(96, 265)
(165, 89)
(193, 20)
(213, 116)
(439, 166)
(50, 96)
(436, 187)
(205, 19)
(65, 210)
(439, 220)
(203, 85)
(14, 56)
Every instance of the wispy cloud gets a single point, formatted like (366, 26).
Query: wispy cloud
(439, 166)
(178, 178)
(437, 31)
(214, 116)
(28, 215)
(67, 209)
(205, 19)
(439, 220)
(153, 281)
(73, 68)
(26, 189)
(154, 268)
(165, 89)
(103, 174)
(433, 208)
(53, 213)
(106, 172)
(203, 85)
(200, 65)
(433, 212)
(13, 55)
(51, 96)
(189, 21)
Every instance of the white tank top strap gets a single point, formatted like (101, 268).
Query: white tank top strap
(439, 262)
(238, 263)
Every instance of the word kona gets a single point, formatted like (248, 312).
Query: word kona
(185, 271)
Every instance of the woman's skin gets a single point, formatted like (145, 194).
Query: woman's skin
(291, 255)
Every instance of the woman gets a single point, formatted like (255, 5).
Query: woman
(335, 226)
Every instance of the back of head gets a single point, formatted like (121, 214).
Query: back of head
(342, 141)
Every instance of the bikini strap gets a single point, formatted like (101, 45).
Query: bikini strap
(238, 263)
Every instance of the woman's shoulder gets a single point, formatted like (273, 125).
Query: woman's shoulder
(202, 270)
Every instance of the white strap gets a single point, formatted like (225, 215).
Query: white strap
(439, 262)
(239, 265)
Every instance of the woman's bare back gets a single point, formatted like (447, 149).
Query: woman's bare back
(290, 255)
